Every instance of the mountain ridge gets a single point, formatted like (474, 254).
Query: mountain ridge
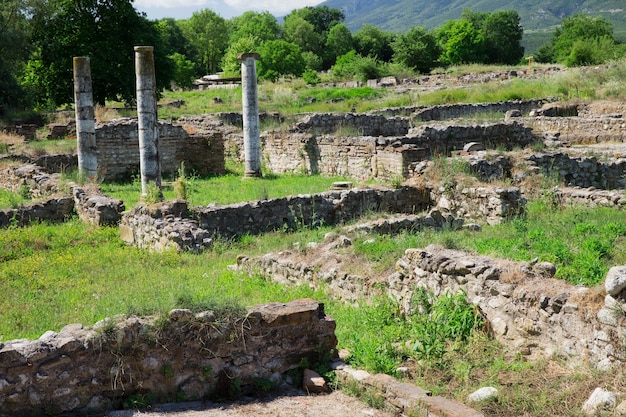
(535, 15)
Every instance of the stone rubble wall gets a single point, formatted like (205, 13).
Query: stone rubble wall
(52, 210)
(89, 202)
(487, 204)
(527, 309)
(193, 356)
(589, 197)
(366, 157)
(173, 225)
(582, 171)
(322, 272)
(455, 111)
(353, 124)
(573, 130)
(118, 150)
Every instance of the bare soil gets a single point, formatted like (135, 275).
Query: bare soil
(286, 403)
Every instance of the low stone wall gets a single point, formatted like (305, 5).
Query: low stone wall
(572, 130)
(366, 157)
(481, 204)
(353, 124)
(454, 111)
(118, 150)
(53, 210)
(173, 225)
(589, 197)
(582, 171)
(192, 356)
(96, 208)
(444, 138)
(528, 310)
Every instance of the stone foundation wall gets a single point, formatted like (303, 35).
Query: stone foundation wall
(454, 111)
(172, 225)
(192, 356)
(583, 171)
(118, 150)
(366, 157)
(353, 124)
(580, 129)
(481, 204)
(527, 309)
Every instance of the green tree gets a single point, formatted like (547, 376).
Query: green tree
(104, 30)
(580, 30)
(461, 42)
(302, 33)
(14, 51)
(309, 27)
(417, 49)
(262, 26)
(184, 70)
(208, 34)
(230, 63)
(502, 33)
(338, 42)
(371, 41)
(278, 58)
(173, 38)
(352, 65)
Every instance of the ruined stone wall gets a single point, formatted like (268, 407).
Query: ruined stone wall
(444, 138)
(353, 124)
(583, 171)
(172, 225)
(118, 150)
(580, 129)
(481, 204)
(528, 310)
(192, 356)
(366, 157)
(454, 111)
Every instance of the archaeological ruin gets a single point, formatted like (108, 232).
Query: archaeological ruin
(84, 369)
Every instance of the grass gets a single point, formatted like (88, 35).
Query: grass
(230, 188)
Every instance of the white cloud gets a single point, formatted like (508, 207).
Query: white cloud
(230, 7)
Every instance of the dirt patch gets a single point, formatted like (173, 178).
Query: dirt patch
(289, 403)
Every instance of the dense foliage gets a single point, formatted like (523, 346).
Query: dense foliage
(38, 39)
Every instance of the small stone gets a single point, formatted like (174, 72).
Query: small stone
(473, 147)
(545, 269)
(181, 314)
(313, 383)
(615, 280)
(482, 394)
(600, 400)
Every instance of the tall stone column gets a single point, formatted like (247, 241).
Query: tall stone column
(85, 119)
(251, 128)
(149, 142)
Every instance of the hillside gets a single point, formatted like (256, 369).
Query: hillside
(536, 15)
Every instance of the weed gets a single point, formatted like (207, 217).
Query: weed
(137, 401)
(153, 193)
(264, 384)
(167, 371)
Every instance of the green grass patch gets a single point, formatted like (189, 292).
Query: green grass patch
(230, 188)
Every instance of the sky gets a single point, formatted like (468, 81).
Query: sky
(183, 9)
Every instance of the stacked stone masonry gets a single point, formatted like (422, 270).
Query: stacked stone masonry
(192, 357)
(173, 225)
(118, 150)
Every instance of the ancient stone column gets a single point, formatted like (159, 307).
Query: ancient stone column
(251, 129)
(85, 119)
(149, 143)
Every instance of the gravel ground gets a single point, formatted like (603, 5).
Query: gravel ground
(282, 404)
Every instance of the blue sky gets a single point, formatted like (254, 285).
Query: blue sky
(183, 9)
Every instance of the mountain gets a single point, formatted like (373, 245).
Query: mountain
(536, 15)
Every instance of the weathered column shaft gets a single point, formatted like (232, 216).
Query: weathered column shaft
(251, 128)
(85, 119)
(149, 141)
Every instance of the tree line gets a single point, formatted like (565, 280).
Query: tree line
(38, 39)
